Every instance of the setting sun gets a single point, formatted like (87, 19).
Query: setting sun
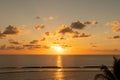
(58, 49)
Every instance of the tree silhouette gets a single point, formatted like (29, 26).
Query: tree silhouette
(113, 74)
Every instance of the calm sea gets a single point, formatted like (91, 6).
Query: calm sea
(51, 67)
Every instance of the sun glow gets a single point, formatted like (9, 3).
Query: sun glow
(58, 48)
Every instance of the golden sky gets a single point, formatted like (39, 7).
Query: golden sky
(66, 27)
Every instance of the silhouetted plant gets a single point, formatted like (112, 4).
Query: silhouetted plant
(113, 74)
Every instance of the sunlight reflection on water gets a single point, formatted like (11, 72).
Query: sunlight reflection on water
(59, 74)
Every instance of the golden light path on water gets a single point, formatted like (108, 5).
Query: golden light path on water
(59, 74)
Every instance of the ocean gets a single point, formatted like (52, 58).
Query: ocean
(52, 67)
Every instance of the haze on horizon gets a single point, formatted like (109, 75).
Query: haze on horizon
(60, 27)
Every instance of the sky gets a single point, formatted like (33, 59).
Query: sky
(68, 27)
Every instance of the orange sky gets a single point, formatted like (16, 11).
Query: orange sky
(51, 27)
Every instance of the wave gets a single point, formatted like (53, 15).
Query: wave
(49, 69)
(24, 67)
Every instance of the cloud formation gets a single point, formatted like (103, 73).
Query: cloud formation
(77, 25)
(43, 39)
(34, 42)
(114, 37)
(65, 29)
(31, 46)
(39, 26)
(91, 22)
(115, 25)
(81, 35)
(38, 17)
(11, 41)
(2, 35)
(11, 47)
(51, 18)
(47, 33)
(93, 44)
(11, 30)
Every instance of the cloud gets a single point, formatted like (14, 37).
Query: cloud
(11, 41)
(2, 35)
(62, 38)
(114, 37)
(38, 17)
(115, 25)
(77, 25)
(11, 30)
(45, 47)
(91, 22)
(81, 35)
(11, 47)
(116, 29)
(93, 44)
(116, 50)
(65, 29)
(34, 42)
(3, 47)
(39, 26)
(31, 46)
(85, 35)
(51, 18)
(43, 39)
(65, 46)
(47, 33)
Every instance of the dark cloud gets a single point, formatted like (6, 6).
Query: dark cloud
(91, 22)
(45, 47)
(34, 42)
(85, 35)
(116, 50)
(11, 30)
(62, 38)
(93, 45)
(2, 35)
(11, 41)
(114, 37)
(77, 25)
(81, 35)
(81, 25)
(66, 29)
(39, 26)
(38, 17)
(11, 47)
(66, 46)
(31, 46)
(3, 47)
(47, 33)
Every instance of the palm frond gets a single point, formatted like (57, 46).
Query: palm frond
(116, 68)
(109, 75)
(100, 76)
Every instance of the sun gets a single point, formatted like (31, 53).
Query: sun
(58, 48)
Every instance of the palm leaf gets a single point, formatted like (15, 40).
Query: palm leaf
(100, 76)
(109, 75)
(116, 68)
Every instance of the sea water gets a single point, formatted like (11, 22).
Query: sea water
(52, 67)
